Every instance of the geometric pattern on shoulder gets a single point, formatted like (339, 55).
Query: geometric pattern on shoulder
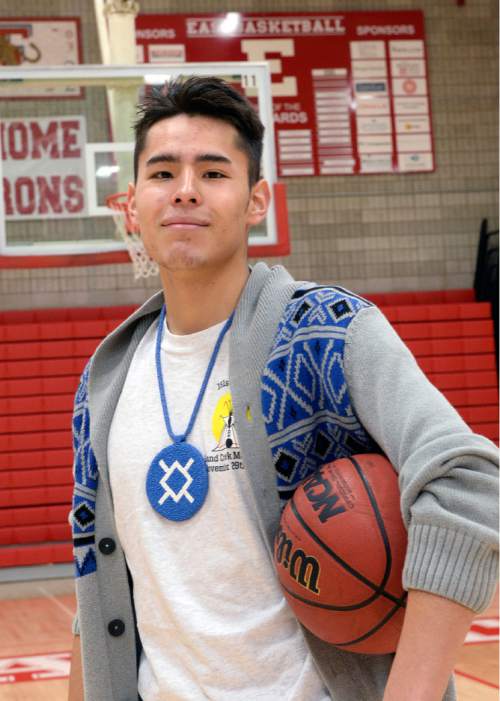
(85, 561)
(85, 464)
(304, 373)
(301, 456)
(306, 406)
(83, 525)
(85, 488)
(304, 378)
(321, 306)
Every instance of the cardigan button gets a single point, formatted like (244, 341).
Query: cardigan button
(107, 546)
(116, 627)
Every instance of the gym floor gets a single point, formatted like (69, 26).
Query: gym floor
(36, 638)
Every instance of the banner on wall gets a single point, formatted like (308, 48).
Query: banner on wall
(43, 167)
(40, 41)
(350, 89)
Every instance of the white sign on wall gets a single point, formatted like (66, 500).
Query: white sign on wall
(43, 167)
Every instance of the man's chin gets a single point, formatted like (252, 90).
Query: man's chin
(180, 263)
(177, 257)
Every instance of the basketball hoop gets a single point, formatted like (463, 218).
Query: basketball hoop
(144, 266)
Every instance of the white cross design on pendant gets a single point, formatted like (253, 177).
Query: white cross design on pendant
(183, 491)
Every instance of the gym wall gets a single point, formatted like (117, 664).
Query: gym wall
(368, 233)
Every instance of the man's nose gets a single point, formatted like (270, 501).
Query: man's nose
(186, 191)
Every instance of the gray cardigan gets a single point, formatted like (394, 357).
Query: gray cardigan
(447, 479)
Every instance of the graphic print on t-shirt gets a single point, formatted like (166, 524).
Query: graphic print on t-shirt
(226, 454)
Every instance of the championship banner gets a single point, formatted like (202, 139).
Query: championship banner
(43, 167)
(350, 90)
(40, 41)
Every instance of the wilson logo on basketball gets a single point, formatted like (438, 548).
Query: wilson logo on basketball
(304, 569)
(320, 493)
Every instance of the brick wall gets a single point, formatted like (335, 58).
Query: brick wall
(369, 233)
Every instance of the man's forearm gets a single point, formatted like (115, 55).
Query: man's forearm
(433, 633)
(76, 678)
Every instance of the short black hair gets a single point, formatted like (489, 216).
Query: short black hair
(205, 96)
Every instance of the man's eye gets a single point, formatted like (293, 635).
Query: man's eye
(162, 174)
(214, 174)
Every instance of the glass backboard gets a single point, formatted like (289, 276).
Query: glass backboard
(66, 143)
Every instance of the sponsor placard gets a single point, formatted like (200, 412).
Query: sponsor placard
(43, 167)
(40, 41)
(347, 86)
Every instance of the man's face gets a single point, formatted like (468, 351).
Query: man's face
(192, 202)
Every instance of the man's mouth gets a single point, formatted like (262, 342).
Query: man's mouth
(184, 223)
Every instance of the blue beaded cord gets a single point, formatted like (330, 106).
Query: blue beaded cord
(181, 438)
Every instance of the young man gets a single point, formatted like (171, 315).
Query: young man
(196, 419)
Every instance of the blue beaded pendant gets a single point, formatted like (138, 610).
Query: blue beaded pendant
(177, 482)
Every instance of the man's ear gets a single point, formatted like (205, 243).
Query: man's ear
(260, 197)
(131, 208)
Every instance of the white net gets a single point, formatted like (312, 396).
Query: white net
(144, 266)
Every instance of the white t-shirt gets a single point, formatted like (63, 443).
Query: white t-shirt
(212, 619)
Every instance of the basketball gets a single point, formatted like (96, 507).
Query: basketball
(339, 554)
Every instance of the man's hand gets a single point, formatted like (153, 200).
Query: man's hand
(433, 632)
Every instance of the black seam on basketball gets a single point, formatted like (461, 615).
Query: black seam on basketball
(376, 628)
(378, 518)
(329, 607)
(357, 575)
